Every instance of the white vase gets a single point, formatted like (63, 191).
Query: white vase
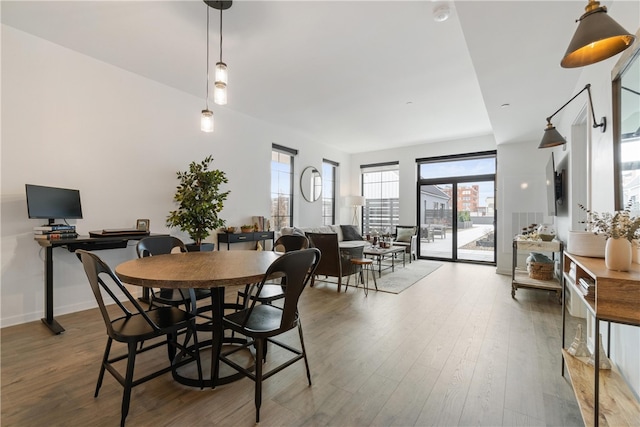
(617, 254)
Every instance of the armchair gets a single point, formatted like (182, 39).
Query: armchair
(335, 261)
(407, 237)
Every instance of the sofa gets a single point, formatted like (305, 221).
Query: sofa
(338, 244)
(352, 237)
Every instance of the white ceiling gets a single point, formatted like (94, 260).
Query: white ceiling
(358, 75)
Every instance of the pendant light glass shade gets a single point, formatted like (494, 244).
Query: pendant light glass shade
(206, 121)
(551, 137)
(221, 73)
(597, 38)
(220, 88)
(220, 94)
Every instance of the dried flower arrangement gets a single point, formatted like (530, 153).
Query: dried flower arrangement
(616, 225)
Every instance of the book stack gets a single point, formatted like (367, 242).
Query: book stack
(259, 223)
(587, 287)
(572, 270)
(55, 231)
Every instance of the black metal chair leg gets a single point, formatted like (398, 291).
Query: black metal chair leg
(196, 346)
(260, 344)
(304, 351)
(105, 359)
(128, 382)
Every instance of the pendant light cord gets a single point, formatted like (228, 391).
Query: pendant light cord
(207, 97)
(220, 34)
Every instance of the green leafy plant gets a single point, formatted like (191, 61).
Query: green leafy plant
(199, 200)
(464, 216)
(616, 225)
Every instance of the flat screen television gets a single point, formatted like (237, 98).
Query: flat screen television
(554, 187)
(53, 203)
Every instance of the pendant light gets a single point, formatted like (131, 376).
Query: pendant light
(597, 37)
(206, 119)
(221, 75)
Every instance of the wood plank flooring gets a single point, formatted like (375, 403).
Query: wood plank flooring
(454, 349)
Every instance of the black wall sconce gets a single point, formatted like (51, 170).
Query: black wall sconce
(552, 137)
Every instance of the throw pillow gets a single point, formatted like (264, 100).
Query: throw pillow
(405, 234)
(297, 232)
(350, 232)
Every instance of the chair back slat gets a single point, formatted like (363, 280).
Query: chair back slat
(97, 270)
(158, 245)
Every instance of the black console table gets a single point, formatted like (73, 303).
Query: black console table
(254, 236)
(80, 242)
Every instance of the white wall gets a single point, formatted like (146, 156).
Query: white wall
(71, 121)
(625, 340)
(406, 156)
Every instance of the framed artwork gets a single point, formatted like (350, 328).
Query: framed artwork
(142, 224)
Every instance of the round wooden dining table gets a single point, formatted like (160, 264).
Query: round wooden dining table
(197, 269)
(204, 270)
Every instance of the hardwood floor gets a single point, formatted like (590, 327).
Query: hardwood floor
(454, 349)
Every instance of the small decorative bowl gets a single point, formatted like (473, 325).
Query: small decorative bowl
(230, 230)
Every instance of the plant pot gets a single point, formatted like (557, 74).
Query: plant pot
(246, 230)
(203, 247)
(585, 243)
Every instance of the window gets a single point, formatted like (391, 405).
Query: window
(281, 186)
(329, 169)
(381, 189)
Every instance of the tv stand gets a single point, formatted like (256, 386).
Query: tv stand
(80, 242)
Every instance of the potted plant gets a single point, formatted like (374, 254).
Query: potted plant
(199, 202)
(246, 228)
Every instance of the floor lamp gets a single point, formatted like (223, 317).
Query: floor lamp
(356, 202)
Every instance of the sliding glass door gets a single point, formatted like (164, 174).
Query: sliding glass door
(456, 208)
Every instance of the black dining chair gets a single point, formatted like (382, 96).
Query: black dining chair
(161, 245)
(135, 325)
(274, 292)
(261, 323)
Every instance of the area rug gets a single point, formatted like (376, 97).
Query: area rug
(404, 277)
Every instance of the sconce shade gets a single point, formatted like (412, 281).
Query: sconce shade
(597, 37)
(206, 121)
(551, 137)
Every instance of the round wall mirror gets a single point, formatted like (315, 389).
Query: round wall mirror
(311, 184)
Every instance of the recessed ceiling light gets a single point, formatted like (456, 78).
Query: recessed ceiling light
(441, 13)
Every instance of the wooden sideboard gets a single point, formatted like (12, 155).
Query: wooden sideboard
(603, 395)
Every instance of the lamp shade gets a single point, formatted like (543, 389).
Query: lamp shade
(551, 138)
(597, 37)
(358, 200)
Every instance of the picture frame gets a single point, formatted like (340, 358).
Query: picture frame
(142, 225)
